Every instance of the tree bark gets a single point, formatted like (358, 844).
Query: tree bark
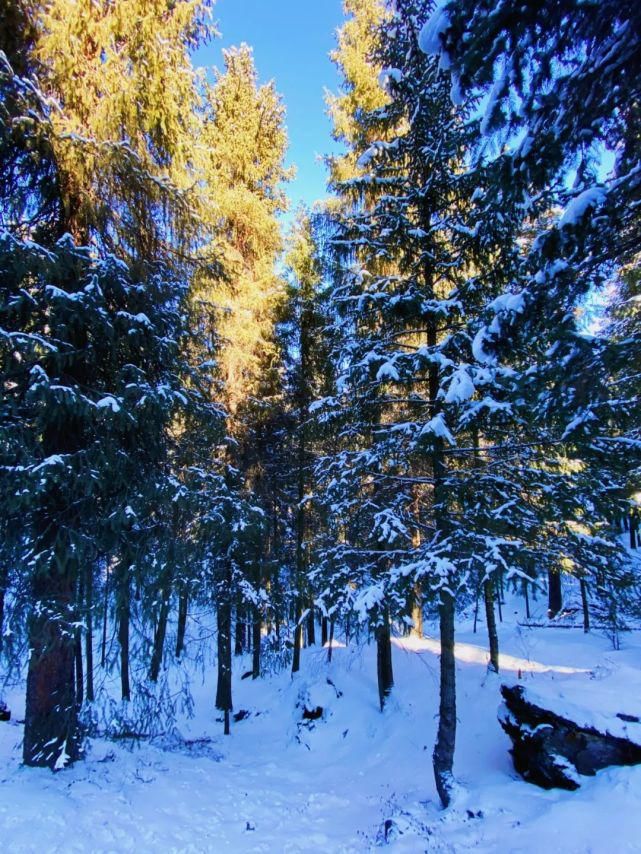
(160, 634)
(311, 626)
(443, 757)
(89, 633)
(324, 628)
(417, 611)
(256, 626)
(555, 598)
(123, 605)
(52, 732)
(384, 660)
(4, 574)
(584, 603)
(492, 633)
(223, 688)
(183, 605)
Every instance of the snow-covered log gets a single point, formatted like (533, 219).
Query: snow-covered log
(552, 750)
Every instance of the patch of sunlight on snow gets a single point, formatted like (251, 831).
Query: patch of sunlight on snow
(471, 654)
(335, 645)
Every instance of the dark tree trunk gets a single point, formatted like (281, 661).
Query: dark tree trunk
(241, 631)
(183, 605)
(52, 732)
(89, 634)
(4, 573)
(311, 626)
(256, 626)
(443, 757)
(80, 690)
(159, 635)
(223, 688)
(555, 599)
(298, 638)
(499, 599)
(526, 593)
(584, 603)
(124, 614)
(476, 603)
(324, 628)
(105, 611)
(330, 642)
(492, 633)
(384, 660)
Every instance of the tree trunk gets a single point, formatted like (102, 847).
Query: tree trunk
(555, 599)
(256, 626)
(160, 634)
(384, 660)
(330, 642)
(123, 605)
(103, 654)
(89, 633)
(223, 688)
(241, 631)
(183, 604)
(526, 593)
(298, 638)
(443, 757)
(584, 603)
(311, 626)
(324, 628)
(499, 599)
(492, 633)
(52, 732)
(417, 611)
(4, 574)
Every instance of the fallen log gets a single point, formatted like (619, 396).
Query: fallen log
(553, 751)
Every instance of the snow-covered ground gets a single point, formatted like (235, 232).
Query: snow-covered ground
(336, 784)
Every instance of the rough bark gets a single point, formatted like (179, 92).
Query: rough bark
(384, 660)
(585, 606)
(417, 611)
(223, 687)
(183, 606)
(555, 597)
(52, 732)
(443, 757)
(492, 634)
(159, 635)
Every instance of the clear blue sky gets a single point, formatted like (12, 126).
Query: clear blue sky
(291, 40)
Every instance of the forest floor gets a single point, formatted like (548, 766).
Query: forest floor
(346, 781)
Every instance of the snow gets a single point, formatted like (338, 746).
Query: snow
(576, 209)
(108, 402)
(354, 778)
(461, 387)
(429, 39)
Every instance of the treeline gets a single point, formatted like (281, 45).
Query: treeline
(408, 413)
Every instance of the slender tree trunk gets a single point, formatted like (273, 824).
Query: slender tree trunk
(417, 611)
(78, 647)
(256, 626)
(492, 633)
(324, 628)
(105, 610)
(499, 599)
(311, 626)
(183, 605)
(223, 688)
(384, 660)
(241, 631)
(555, 599)
(160, 634)
(89, 633)
(330, 642)
(526, 593)
(124, 614)
(476, 603)
(443, 757)
(4, 574)
(584, 603)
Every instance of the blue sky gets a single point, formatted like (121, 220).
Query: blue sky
(291, 40)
